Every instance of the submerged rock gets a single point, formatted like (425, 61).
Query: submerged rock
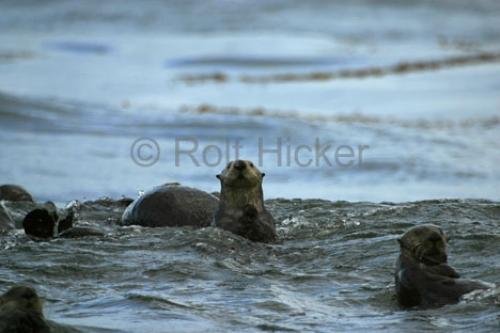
(103, 210)
(77, 232)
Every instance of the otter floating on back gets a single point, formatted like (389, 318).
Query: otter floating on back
(423, 277)
(241, 206)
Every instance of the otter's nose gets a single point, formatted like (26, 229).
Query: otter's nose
(239, 165)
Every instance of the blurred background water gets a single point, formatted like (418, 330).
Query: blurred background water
(414, 82)
(81, 81)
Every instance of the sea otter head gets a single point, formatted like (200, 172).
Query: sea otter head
(240, 174)
(21, 298)
(425, 243)
(241, 185)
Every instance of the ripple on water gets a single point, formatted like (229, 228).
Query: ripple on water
(333, 271)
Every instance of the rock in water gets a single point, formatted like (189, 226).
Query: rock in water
(6, 222)
(10, 192)
(46, 222)
(41, 222)
(77, 232)
(171, 205)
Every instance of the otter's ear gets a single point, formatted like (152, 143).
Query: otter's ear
(263, 174)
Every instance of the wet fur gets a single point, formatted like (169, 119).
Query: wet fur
(21, 311)
(423, 276)
(241, 207)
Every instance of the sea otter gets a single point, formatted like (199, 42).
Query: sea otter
(171, 205)
(423, 277)
(21, 311)
(241, 206)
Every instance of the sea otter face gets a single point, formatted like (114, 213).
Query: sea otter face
(21, 297)
(426, 243)
(241, 173)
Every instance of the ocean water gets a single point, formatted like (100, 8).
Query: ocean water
(333, 271)
(347, 106)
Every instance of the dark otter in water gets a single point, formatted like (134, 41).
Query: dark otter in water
(21, 312)
(423, 277)
(14, 193)
(241, 207)
(171, 205)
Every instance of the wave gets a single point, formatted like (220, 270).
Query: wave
(400, 68)
(80, 47)
(250, 61)
(336, 263)
(352, 118)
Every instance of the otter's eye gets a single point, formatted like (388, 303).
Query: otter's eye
(251, 164)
